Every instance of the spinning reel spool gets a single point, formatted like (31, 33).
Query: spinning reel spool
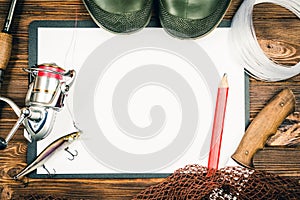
(45, 97)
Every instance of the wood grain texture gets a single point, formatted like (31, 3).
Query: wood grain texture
(278, 160)
(277, 30)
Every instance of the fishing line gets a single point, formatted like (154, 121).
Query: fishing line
(247, 48)
(70, 55)
(72, 46)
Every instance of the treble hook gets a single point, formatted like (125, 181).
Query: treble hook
(72, 154)
(49, 174)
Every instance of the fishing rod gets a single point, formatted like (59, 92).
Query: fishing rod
(6, 40)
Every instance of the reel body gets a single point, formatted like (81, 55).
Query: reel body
(45, 97)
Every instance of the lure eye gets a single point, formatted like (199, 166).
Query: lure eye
(75, 136)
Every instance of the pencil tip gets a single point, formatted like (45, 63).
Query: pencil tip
(224, 81)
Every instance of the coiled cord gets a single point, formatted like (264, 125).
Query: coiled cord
(246, 46)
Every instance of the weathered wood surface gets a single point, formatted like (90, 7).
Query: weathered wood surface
(278, 160)
(278, 32)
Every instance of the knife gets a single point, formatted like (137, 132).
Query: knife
(263, 126)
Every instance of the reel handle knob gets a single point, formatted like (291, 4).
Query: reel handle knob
(3, 143)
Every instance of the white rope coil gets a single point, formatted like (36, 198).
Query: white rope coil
(246, 46)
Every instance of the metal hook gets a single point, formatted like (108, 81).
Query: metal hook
(50, 175)
(72, 154)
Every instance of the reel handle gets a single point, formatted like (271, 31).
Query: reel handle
(25, 112)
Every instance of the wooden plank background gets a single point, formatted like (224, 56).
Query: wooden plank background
(277, 30)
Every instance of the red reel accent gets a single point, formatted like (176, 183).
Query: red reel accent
(50, 74)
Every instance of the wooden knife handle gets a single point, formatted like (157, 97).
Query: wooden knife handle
(263, 126)
(5, 49)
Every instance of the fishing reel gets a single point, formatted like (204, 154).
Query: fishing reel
(45, 97)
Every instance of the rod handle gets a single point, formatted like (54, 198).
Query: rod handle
(5, 49)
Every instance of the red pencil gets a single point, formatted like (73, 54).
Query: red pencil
(218, 124)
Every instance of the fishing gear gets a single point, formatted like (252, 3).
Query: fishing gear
(247, 49)
(72, 154)
(45, 97)
(6, 40)
(48, 152)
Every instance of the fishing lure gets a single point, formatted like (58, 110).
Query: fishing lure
(48, 152)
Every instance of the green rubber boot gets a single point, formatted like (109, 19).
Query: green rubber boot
(188, 19)
(120, 16)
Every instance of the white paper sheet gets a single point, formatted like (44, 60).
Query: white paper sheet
(70, 48)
